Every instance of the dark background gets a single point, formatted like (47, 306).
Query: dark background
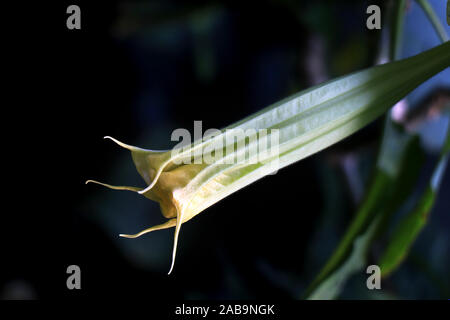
(137, 71)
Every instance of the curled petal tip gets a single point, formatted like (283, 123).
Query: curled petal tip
(134, 189)
(126, 146)
(116, 141)
(113, 139)
(148, 188)
(129, 236)
(171, 268)
(168, 224)
(158, 174)
(96, 182)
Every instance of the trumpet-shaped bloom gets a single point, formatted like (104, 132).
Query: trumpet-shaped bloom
(302, 124)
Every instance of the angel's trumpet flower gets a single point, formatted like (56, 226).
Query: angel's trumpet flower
(298, 126)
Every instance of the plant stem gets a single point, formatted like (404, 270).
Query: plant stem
(434, 19)
(397, 30)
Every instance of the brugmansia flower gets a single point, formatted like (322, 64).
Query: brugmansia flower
(302, 124)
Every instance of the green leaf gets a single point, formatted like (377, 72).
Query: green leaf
(405, 234)
(409, 227)
(330, 287)
(448, 12)
(391, 185)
